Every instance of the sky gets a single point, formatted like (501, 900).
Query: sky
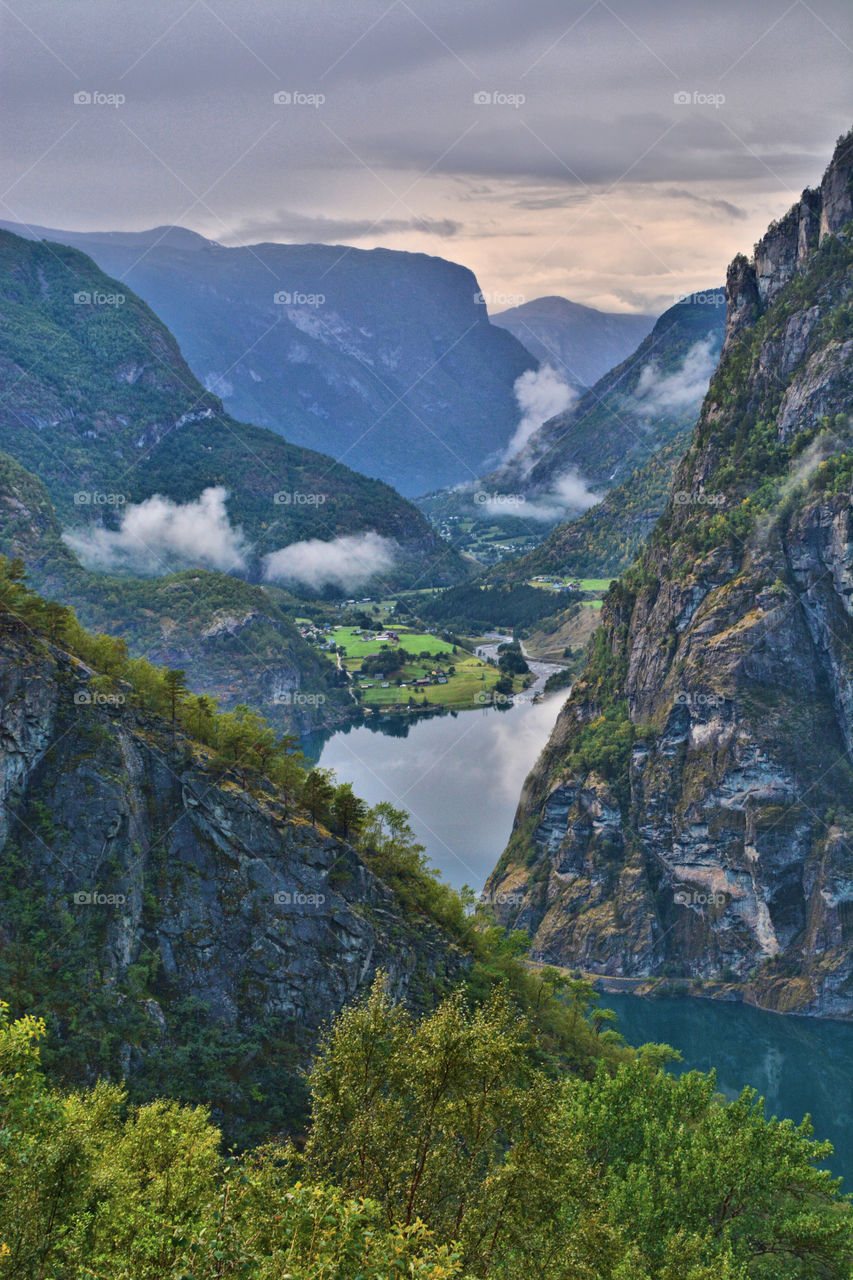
(616, 153)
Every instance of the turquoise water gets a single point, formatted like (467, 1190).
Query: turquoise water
(460, 776)
(798, 1065)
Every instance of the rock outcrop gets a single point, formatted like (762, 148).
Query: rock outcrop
(192, 936)
(692, 815)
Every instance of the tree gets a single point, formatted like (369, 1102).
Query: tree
(176, 689)
(317, 794)
(348, 812)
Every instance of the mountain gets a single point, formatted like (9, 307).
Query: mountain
(580, 343)
(635, 409)
(229, 636)
(606, 538)
(382, 359)
(99, 403)
(692, 814)
(641, 412)
(184, 930)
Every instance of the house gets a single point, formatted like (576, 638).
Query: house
(420, 684)
(442, 679)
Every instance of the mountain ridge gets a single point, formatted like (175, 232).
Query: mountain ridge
(692, 815)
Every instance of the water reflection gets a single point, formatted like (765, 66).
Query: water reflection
(459, 776)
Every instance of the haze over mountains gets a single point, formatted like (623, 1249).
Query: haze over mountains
(579, 342)
(384, 360)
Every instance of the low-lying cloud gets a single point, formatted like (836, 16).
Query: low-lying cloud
(659, 393)
(541, 394)
(159, 536)
(568, 498)
(345, 562)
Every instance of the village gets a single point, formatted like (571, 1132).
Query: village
(399, 668)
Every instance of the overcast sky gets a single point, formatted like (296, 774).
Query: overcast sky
(582, 173)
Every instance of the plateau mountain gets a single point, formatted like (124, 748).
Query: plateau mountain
(384, 360)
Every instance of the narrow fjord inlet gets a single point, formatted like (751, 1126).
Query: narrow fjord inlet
(426, 641)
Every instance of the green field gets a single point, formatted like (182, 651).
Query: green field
(413, 641)
(469, 686)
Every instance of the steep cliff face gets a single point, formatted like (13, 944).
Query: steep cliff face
(191, 936)
(692, 815)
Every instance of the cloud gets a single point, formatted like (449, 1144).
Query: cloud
(159, 536)
(679, 391)
(288, 225)
(568, 498)
(540, 393)
(345, 562)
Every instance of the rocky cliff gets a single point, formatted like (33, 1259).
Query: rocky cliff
(172, 927)
(692, 815)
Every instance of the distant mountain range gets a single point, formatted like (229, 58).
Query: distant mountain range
(624, 436)
(99, 403)
(385, 360)
(579, 342)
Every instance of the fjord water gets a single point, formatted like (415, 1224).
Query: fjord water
(799, 1065)
(460, 776)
